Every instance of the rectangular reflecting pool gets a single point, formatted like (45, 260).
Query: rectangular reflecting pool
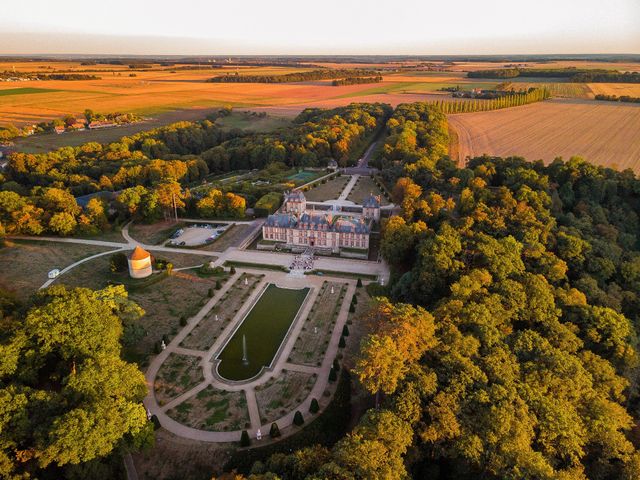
(263, 329)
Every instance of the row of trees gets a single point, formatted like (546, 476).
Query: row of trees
(50, 210)
(511, 99)
(151, 169)
(311, 75)
(56, 211)
(316, 136)
(47, 76)
(356, 81)
(167, 153)
(615, 98)
(572, 74)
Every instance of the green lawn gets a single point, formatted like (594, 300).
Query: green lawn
(26, 91)
(264, 329)
(246, 121)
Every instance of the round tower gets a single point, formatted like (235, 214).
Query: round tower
(140, 263)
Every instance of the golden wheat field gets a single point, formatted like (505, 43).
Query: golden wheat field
(151, 92)
(161, 89)
(605, 133)
(619, 89)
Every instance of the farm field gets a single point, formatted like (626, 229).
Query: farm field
(557, 89)
(601, 132)
(619, 89)
(160, 90)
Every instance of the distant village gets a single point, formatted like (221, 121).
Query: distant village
(70, 123)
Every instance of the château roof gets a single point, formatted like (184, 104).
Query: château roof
(319, 221)
(282, 220)
(139, 253)
(295, 196)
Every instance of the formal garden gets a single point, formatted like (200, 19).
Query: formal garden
(364, 187)
(282, 394)
(178, 374)
(314, 337)
(264, 325)
(207, 331)
(326, 190)
(214, 410)
(259, 336)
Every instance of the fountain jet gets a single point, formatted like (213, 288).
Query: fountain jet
(245, 360)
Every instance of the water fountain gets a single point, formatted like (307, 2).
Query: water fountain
(245, 360)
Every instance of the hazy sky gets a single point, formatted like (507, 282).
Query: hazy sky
(320, 27)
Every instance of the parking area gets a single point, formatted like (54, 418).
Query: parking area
(196, 235)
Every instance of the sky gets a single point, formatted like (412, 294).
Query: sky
(279, 27)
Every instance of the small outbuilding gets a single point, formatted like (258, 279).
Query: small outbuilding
(140, 263)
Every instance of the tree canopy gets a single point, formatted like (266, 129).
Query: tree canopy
(66, 395)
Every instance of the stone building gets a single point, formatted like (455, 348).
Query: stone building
(295, 226)
(140, 263)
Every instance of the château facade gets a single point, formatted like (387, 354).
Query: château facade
(295, 226)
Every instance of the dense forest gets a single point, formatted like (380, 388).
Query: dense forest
(571, 74)
(324, 74)
(507, 346)
(148, 170)
(356, 81)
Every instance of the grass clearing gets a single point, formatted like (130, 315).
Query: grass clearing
(258, 266)
(232, 237)
(25, 91)
(154, 233)
(177, 375)
(26, 263)
(164, 301)
(283, 394)
(246, 121)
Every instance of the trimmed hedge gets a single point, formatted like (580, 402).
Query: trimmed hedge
(298, 419)
(268, 204)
